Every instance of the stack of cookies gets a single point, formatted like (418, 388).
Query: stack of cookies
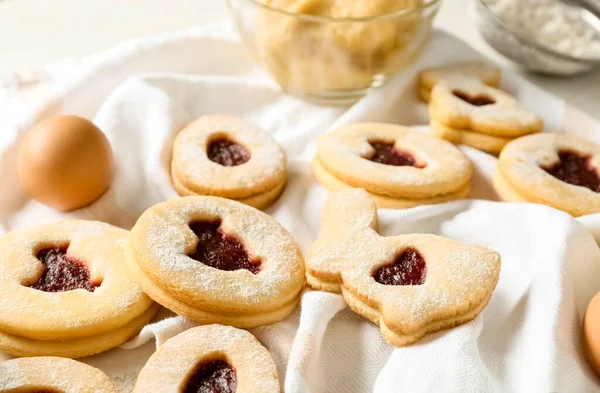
(214, 260)
(224, 156)
(467, 111)
(467, 108)
(430, 77)
(65, 291)
(399, 167)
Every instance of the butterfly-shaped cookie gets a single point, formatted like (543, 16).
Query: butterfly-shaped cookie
(409, 285)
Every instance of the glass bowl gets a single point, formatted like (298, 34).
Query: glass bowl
(334, 60)
(526, 52)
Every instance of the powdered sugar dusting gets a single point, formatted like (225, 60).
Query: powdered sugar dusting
(505, 117)
(100, 247)
(346, 153)
(163, 234)
(458, 277)
(175, 360)
(196, 171)
(52, 373)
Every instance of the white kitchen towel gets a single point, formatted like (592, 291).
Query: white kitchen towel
(527, 339)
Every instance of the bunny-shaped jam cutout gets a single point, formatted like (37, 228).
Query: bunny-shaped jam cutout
(409, 285)
(468, 104)
(214, 260)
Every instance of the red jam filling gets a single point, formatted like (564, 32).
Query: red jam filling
(43, 391)
(475, 101)
(575, 169)
(387, 154)
(62, 272)
(408, 269)
(219, 250)
(227, 153)
(215, 376)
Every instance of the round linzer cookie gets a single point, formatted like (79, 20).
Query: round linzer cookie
(392, 162)
(52, 374)
(214, 260)
(332, 183)
(224, 156)
(65, 291)
(468, 104)
(484, 72)
(409, 285)
(211, 358)
(557, 170)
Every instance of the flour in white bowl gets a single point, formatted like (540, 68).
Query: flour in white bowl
(551, 23)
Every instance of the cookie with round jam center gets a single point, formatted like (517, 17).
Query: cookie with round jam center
(407, 269)
(62, 272)
(386, 153)
(215, 376)
(227, 153)
(220, 250)
(575, 169)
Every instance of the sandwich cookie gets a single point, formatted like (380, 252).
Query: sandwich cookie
(557, 170)
(224, 156)
(398, 166)
(409, 285)
(211, 359)
(215, 260)
(472, 113)
(65, 291)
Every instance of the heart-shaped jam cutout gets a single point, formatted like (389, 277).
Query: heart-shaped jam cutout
(480, 100)
(407, 269)
(227, 153)
(62, 272)
(386, 153)
(220, 250)
(575, 169)
(215, 376)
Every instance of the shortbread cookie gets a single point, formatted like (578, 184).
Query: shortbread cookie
(468, 104)
(52, 375)
(484, 72)
(504, 190)
(224, 156)
(211, 358)
(66, 292)
(488, 143)
(258, 201)
(409, 285)
(424, 94)
(385, 202)
(214, 260)
(557, 170)
(394, 161)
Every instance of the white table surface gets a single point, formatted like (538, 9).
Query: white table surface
(36, 32)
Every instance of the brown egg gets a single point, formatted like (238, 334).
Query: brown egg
(591, 333)
(65, 162)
